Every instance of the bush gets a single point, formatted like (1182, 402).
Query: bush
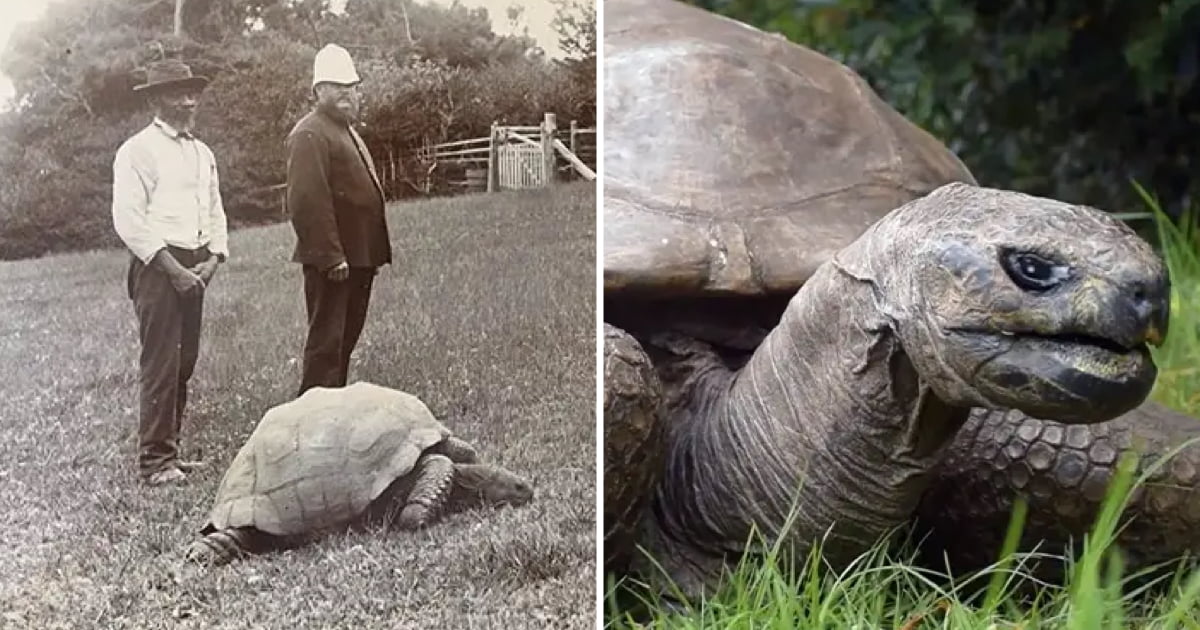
(73, 71)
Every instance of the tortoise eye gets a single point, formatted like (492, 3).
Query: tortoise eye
(1032, 272)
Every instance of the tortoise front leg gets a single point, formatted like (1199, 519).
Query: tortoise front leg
(221, 546)
(1063, 472)
(433, 477)
(633, 442)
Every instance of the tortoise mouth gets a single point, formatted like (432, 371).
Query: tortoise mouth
(1077, 339)
(1069, 377)
(1087, 342)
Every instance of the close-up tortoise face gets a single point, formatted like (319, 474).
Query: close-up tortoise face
(1010, 308)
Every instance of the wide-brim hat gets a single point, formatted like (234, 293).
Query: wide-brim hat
(170, 73)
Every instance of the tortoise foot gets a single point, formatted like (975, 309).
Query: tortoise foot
(219, 547)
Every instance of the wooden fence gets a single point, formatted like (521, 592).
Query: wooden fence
(510, 157)
(514, 157)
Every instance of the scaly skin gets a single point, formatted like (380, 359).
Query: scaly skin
(1063, 472)
(222, 546)
(741, 442)
(874, 366)
(434, 476)
(633, 443)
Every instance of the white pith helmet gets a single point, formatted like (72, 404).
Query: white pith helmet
(334, 65)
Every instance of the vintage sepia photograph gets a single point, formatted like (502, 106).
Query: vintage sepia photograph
(298, 316)
(901, 314)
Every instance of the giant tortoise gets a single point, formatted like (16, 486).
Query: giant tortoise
(812, 309)
(337, 458)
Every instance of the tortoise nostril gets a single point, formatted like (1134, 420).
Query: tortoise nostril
(1150, 306)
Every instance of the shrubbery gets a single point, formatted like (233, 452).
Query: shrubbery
(74, 71)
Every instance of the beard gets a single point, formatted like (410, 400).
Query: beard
(181, 118)
(344, 108)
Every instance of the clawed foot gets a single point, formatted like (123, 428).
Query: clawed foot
(215, 549)
(200, 552)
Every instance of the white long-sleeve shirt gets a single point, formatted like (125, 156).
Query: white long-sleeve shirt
(166, 192)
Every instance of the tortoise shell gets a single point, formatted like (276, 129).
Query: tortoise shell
(737, 162)
(318, 461)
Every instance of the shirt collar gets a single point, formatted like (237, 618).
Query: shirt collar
(171, 131)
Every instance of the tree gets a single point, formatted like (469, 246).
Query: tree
(448, 76)
(575, 23)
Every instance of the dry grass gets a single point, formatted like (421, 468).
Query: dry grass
(488, 314)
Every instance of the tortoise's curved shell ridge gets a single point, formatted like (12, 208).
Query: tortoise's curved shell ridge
(317, 462)
(737, 162)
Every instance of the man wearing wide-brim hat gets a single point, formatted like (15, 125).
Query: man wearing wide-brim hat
(167, 210)
(336, 205)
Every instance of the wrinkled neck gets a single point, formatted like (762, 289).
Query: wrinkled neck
(828, 416)
(835, 372)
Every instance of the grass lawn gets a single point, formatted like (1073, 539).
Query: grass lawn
(487, 314)
(885, 590)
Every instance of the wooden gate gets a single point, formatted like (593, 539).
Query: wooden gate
(511, 157)
(520, 166)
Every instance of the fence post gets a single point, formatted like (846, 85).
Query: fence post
(548, 129)
(389, 171)
(574, 148)
(493, 177)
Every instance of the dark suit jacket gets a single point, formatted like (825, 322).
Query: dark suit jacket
(335, 203)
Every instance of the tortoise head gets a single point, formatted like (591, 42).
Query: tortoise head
(489, 485)
(1005, 300)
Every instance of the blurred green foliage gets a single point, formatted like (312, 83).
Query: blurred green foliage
(1065, 99)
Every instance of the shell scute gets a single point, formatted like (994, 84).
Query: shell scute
(737, 162)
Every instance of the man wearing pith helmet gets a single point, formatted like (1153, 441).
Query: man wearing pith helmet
(337, 210)
(166, 208)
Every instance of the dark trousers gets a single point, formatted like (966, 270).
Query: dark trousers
(336, 314)
(169, 331)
